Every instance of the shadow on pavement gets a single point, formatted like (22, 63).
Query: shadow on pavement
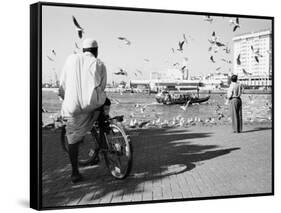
(158, 154)
(257, 129)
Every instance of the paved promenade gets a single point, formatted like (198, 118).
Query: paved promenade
(168, 163)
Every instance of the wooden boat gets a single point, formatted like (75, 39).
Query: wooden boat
(166, 97)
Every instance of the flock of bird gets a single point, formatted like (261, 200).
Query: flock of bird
(178, 121)
(216, 45)
(181, 45)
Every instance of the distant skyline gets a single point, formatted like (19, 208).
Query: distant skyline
(152, 36)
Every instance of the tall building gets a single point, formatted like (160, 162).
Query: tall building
(255, 50)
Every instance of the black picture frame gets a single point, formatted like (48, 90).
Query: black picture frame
(36, 102)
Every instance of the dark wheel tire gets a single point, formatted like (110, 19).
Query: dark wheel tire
(119, 146)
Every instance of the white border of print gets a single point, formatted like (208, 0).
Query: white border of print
(14, 154)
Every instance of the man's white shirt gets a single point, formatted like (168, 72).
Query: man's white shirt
(83, 79)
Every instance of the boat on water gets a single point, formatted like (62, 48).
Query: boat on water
(168, 97)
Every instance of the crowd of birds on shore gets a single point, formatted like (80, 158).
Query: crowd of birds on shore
(220, 116)
(145, 117)
(137, 122)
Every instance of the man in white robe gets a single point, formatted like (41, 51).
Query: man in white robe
(82, 87)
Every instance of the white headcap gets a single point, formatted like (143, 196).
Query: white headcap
(89, 43)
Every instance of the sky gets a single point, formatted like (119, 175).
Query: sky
(152, 36)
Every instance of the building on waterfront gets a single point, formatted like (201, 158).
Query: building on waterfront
(251, 72)
(161, 84)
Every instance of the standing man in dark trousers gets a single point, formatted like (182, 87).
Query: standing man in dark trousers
(233, 94)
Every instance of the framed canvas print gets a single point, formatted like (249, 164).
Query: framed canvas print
(134, 105)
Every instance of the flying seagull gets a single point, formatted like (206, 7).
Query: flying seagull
(238, 60)
(214, 38)
(256, 53)
(226, 49)
(79, 29)
(50, 58)
(235, 28)
(227, 61)
(218, 107)
(212, 59)
(245, 72)
(211, 41)
(236, 24)
(125, 40)
(54, 52)
(121, 72)
(184, 37)
(215, 49)
(214, 35)
(181, 45)
(252, 48)
(76, 45)
(237, 21)
(209, 19)
(257, 59)
(219, 44)
(182, 68)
